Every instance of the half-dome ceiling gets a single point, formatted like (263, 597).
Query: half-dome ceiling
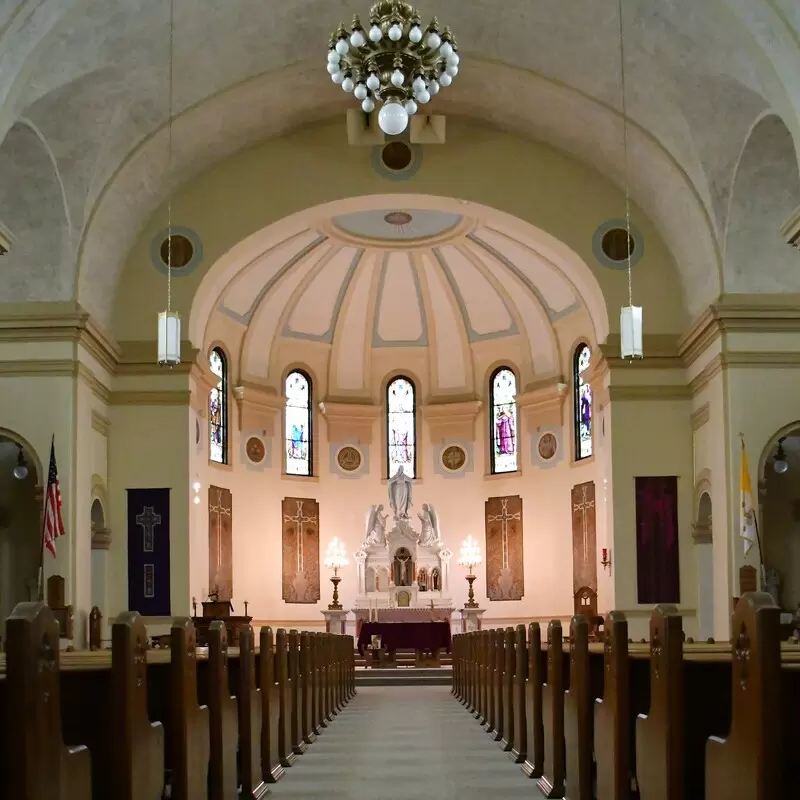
(399, 278)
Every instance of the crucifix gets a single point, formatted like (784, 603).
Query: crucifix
(583, 507)
(504, 518)
(148, 520)
(299, 521)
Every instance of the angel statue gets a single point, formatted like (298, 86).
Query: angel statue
(430, 536)
(376, 526)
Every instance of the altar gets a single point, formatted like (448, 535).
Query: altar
(403, 572)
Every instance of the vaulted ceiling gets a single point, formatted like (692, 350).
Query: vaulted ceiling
(83, 106)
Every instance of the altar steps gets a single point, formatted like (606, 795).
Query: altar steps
(406, 658)
(405, 676)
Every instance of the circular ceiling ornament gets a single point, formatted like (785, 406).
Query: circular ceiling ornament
(349, 459)
(454, 457)
(398, 218)
(608, 244)
(255, 449)
(547, 447)
(394, 61)
(185, 247)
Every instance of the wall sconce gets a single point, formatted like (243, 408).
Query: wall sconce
(197, 486)
(606, 560)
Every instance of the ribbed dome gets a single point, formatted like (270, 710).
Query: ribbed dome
(401, 277)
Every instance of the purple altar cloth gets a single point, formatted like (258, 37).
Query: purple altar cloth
(411, 635)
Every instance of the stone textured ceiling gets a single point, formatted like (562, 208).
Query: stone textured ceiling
(387, 278)
(83, 88)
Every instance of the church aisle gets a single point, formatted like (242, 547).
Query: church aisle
(404, 743)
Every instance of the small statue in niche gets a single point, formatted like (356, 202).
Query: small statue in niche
(422, 580)
(436, 580)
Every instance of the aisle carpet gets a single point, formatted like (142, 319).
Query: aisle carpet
(404, 743)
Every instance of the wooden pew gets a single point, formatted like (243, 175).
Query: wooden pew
(508, 659)
(250, 716)
(534, 725)
(285, 696)
(551, 782)
(37, 765)
(296, 681)
(485, 681)
(308, 688)
(188, 730)
(493, 699)
(316, 694)
(271, 767)
(747, 764)
(578, 719)
(223, 780)
(137, 745)
(520, 745)
(612, 714)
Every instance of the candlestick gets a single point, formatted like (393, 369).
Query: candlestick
(245, 607)
(606, 561)
(194, 607)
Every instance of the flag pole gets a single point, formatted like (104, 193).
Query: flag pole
(44, 521)
(755, 521)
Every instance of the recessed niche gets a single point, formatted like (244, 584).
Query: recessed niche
(396, 160)
(183, 246)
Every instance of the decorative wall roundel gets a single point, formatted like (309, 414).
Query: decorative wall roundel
(255, 449)
(348, 459)
(454, 458)
(548, 445)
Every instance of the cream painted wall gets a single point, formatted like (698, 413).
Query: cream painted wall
(344, 503)
(650, 437)
(264, 184)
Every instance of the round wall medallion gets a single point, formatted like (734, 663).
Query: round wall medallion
(185, 247)
(348, 459)
(454, 458)
(255, 449)
(548, 445)
(610, 244)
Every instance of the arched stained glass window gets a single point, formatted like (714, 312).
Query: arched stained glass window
(503, 388)
(582, 401)
(297, 424)
(401, 412)
(218, 409)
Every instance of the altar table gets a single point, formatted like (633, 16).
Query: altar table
(430, 636)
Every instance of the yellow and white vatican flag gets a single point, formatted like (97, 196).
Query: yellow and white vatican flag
(749, 530)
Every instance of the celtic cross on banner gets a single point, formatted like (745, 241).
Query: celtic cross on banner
(148, 520)
(299, 520)
(504, 517)
(584, 507)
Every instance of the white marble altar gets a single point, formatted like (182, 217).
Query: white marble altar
(404, 567)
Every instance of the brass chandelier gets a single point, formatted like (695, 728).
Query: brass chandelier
(394, 61)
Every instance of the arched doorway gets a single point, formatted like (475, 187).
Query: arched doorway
(704, 559)
(101, 540)
(780, 516)
(20, 524)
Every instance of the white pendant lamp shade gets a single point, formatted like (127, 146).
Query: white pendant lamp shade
(630, 327)
(393, 118)
(169, 338)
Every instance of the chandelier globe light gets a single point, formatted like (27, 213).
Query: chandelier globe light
(394, 61)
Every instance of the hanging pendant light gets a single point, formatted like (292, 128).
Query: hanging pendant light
(630, 318)
(169, 323)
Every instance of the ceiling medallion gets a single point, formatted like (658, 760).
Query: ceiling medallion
(398, 218)
(396, 62)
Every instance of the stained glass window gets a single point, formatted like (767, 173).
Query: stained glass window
(583, 402)
(401, 428)
(297, 424)
(218, 409)
(504, 421)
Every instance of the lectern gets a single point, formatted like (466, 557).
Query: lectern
(223, 610)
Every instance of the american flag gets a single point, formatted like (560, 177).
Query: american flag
(53, 523)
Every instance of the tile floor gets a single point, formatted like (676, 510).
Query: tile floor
(404, 743)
